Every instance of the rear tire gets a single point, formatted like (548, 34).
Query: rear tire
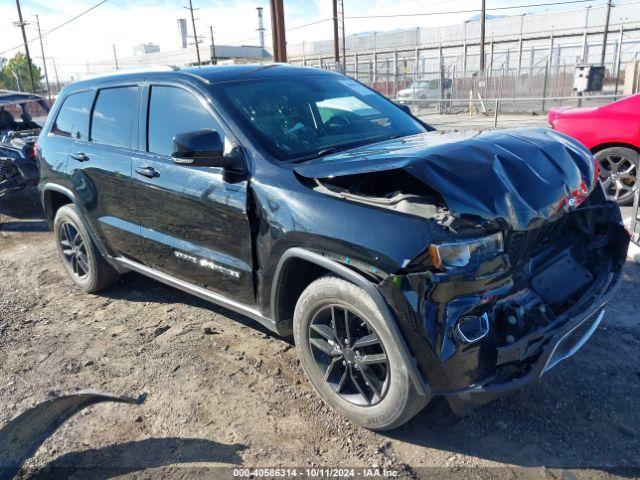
(619, 168)
(80, 256)
(321, 307)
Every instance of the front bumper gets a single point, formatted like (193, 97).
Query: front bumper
(429, 308)
(560, 346)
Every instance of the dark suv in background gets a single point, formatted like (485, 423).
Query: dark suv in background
(405, 262)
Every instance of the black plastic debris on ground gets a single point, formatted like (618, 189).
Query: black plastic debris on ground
(22, 436)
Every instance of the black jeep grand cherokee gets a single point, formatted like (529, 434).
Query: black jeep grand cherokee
(406, 263)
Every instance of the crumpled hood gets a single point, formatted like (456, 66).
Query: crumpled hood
(519, 176)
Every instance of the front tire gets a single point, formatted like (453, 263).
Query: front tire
(350, 357)
(618, 172)
(81, 258)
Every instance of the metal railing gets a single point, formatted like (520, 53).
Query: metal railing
(493, 105)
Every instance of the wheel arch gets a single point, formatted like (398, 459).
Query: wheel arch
(53, 197)
(602, 146)
(283, 301)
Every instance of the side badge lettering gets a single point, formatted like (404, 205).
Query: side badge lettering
(203, 262)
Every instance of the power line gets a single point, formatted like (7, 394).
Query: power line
(309, 24)
(530, 5)
(268, 34)
(57, 27)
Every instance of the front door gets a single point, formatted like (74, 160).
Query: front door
(194, 223)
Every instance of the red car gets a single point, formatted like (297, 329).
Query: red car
(612, 133)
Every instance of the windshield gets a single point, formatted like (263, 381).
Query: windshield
(432, 84)
(425, 85)
(306, 116)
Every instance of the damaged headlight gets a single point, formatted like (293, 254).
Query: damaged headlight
(464, 252)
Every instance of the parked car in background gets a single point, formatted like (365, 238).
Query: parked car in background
(612, 133)
(21, 118)
(424, 92)
(405, 263)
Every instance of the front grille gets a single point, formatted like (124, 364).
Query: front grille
(520, 244)
(7, 169)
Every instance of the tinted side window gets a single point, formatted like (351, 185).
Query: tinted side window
(113, 116)
(172, 111)
(73, 117)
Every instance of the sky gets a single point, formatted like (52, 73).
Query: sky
(126, 23)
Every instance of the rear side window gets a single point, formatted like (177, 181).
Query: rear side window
(114, 115)
(172, 111)
(73, 117)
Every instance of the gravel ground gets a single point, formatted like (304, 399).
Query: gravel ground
(222, 391)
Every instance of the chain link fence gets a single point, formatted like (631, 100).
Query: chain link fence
(523, 74)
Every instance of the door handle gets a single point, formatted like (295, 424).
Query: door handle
(148, 172)
(79, 156)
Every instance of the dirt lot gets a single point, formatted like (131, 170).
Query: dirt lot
(224, 392)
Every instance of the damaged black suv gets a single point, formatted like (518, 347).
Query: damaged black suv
(406, 263)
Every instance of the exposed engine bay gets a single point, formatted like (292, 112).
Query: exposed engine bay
(395, 189)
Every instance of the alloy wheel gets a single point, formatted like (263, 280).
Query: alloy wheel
(74, 250)
(350, 355)
(619, 176)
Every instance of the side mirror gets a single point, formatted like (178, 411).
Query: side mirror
(202, 148)
(405, 108)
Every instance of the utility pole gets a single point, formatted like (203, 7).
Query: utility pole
(584, 36)
(344, 38)
(520, 44)
(282, 32)
(21, 23)
(213, 47)
(482, 32)
(344, 35)
(336, 38)
(606, 32)
(55, 72)
(274, 30)
(195, 34)
(44, 60)
(115, 56)
(278, 31)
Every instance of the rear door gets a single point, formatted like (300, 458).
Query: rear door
(69, 129)
(194, 221)
(100, 169)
